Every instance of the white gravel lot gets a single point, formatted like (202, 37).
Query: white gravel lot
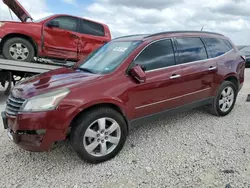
(192, 149)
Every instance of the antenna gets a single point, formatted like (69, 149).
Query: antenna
(11, 14)
(202, 28)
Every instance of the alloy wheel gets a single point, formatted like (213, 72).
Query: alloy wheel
(226, 99)
(102, 137)
(19, 51)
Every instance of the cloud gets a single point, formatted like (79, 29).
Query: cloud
(235, 8)
(146, 16)
(124, 17)
(72, 2)
(156, 4)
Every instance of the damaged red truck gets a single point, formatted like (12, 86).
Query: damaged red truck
(57, 37)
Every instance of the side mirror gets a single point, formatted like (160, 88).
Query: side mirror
(53, 24)
(137, 73)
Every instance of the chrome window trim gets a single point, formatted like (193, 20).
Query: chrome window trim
(192, 62)
(153, 70)
(166, 100)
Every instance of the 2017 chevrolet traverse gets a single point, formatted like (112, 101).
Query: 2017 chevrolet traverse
(128, 81)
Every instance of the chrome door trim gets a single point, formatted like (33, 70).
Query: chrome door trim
(166, 100)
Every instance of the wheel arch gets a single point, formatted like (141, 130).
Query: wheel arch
(234, 79)
(13, 35)
(100, 105)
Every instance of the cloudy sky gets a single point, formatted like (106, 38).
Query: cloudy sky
(230, 17)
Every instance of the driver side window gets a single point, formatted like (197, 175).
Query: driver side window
(67, 23)
(157, 55)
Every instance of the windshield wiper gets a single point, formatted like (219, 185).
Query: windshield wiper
(86, 70)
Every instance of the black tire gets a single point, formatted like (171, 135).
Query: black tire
(215, 107)
(83, 123)
(7, 45)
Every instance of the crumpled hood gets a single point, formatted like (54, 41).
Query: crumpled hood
(18, 9)
(53, 80)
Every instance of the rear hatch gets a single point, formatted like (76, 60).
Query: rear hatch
(18, 9)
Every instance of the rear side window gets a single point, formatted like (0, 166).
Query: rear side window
(217, 47)
(91, 28)
(228, 45)
(67, 23)
(157, 55)
(191, 49)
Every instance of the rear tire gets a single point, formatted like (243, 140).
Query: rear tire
(225, 99)
(99, 135)
(18, 49)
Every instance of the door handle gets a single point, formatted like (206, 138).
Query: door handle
(174, 76)
(212, 68)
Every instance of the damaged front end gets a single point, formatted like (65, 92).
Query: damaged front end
(27, 139)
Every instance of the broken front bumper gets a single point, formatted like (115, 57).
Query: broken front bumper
(31, 132)
(27, 141)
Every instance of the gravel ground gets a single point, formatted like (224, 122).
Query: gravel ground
(192, 149)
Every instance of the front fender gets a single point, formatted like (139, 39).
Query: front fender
(99, 102)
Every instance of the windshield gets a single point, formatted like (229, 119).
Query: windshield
(107, 58)
(41, 19)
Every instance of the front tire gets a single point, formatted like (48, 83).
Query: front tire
(225, 99)
(99, 135)
(18, 49)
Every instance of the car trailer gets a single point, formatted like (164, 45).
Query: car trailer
(13, 71)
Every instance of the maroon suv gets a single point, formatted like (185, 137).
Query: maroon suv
(128, 81)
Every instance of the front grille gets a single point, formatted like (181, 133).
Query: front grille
(13, 105)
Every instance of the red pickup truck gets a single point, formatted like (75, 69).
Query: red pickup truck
(61, 37)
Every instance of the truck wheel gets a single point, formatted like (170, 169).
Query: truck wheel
(225, 99)
(99, 135)
(18, 49)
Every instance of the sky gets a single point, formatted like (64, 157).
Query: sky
(125, 17)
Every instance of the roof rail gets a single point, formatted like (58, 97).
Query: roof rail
(172, 32)
(129, 36)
